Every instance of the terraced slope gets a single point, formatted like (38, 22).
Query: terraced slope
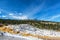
(45, 30)
(27, 30)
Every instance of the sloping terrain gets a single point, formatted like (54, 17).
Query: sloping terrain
(36, 23)
(19, 31)
(28, 31)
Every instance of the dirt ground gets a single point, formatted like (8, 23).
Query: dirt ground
(53, 38)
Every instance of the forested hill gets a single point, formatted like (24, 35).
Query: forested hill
(36, 23)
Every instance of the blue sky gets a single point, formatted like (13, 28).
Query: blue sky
(30, 9)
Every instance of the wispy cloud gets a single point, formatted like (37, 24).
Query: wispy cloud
(19, 17)
(54, 17)
(20, 13)
(11, 14)
(3, 16)
(32, 10)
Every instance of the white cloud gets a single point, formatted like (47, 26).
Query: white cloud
(11, 14)
(16, 16)
(20, 13)
(20, 17)
(0, 12)
(3, 16)
(54, 17)
(32, 10)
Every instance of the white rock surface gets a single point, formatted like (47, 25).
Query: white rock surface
(32, 30)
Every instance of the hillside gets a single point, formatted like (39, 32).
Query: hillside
(36, 23)
(29, 29)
